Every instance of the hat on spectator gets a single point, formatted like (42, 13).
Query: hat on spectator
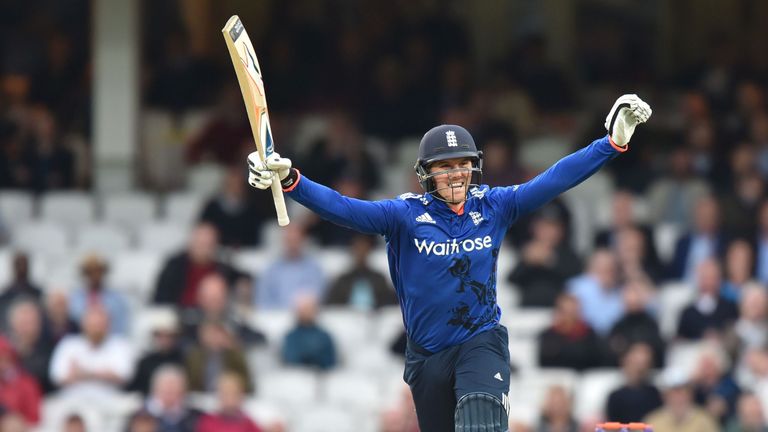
(162, 319)
(93, 261)
(673, 378)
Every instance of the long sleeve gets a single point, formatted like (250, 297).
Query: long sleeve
(563, 175)
(370, 217)
(60, 361)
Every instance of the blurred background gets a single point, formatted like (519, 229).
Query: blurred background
(146, 287)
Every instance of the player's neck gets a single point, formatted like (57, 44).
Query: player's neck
(457, 208)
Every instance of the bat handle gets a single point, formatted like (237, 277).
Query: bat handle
(282, 212)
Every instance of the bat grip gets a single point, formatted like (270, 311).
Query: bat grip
(277, 196)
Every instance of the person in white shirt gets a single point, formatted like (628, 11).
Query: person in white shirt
(92, 364)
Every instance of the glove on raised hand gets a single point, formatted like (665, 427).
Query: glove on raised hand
(262, 173)
(628, 111)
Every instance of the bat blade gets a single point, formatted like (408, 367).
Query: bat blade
(249, 77)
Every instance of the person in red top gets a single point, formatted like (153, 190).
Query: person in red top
(230, 417)
(569, 342)
(19, 391)
(179, 279)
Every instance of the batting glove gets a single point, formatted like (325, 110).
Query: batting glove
(280, 165)
(262, 173)
(628, 111)
(259, 176)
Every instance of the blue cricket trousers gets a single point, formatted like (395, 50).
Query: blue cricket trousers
(438, 380)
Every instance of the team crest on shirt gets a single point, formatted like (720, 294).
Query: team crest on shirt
(476, 217)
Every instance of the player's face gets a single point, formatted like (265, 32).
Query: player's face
(452, 178)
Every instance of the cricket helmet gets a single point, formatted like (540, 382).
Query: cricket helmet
(446, 142)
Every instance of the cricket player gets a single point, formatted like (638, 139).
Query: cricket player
(443, 248)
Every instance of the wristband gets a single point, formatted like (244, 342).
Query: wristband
(290, 179)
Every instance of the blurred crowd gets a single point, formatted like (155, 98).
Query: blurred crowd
(374, 79)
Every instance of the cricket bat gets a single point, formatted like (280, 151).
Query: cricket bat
(252, 86)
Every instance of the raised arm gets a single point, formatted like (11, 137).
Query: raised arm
(371, 217)
(564, 174)
(626, 114)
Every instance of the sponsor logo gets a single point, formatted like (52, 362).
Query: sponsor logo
(477, 192)
(476, 217)
(498, 376)
(452, 246)
(450, 136)
(425, 218)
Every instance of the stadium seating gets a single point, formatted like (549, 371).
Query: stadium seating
(16, 207)
(104, 239)
(69, 209)
(129, 210)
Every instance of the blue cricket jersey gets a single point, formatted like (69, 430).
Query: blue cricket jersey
(443, 264)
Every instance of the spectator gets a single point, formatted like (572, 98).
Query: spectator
(709, 314)
(19, 287)
(714, 388)
(52, 163)
(237, 212)
(547, 261)
(167, 402)
(637, 325)
(308, 344)
(19, 391)
(750, 417)
(226, 135)
(142, 422)
(671, 198)
(679, 413)
(569, 342)
(230, 416)
(58, 322)
(12, 422)
(501, 165)
(742, 202)
(761, 244)
(33, 349)
(598, 292)
(341, 153)
(94, 293)
(739, 267)
(401, 417)
(326, 233)
(74, 423)
(751, 329)
(95, 364)
(216, 352)
(623, 215)
(633, 256)
(637, 396)
(214, 305)
(295, 272)
(752, 374)
(361, 287)
(522, 231)
(557, 411)
(705, 240)
(178, 281)
(166, 349)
